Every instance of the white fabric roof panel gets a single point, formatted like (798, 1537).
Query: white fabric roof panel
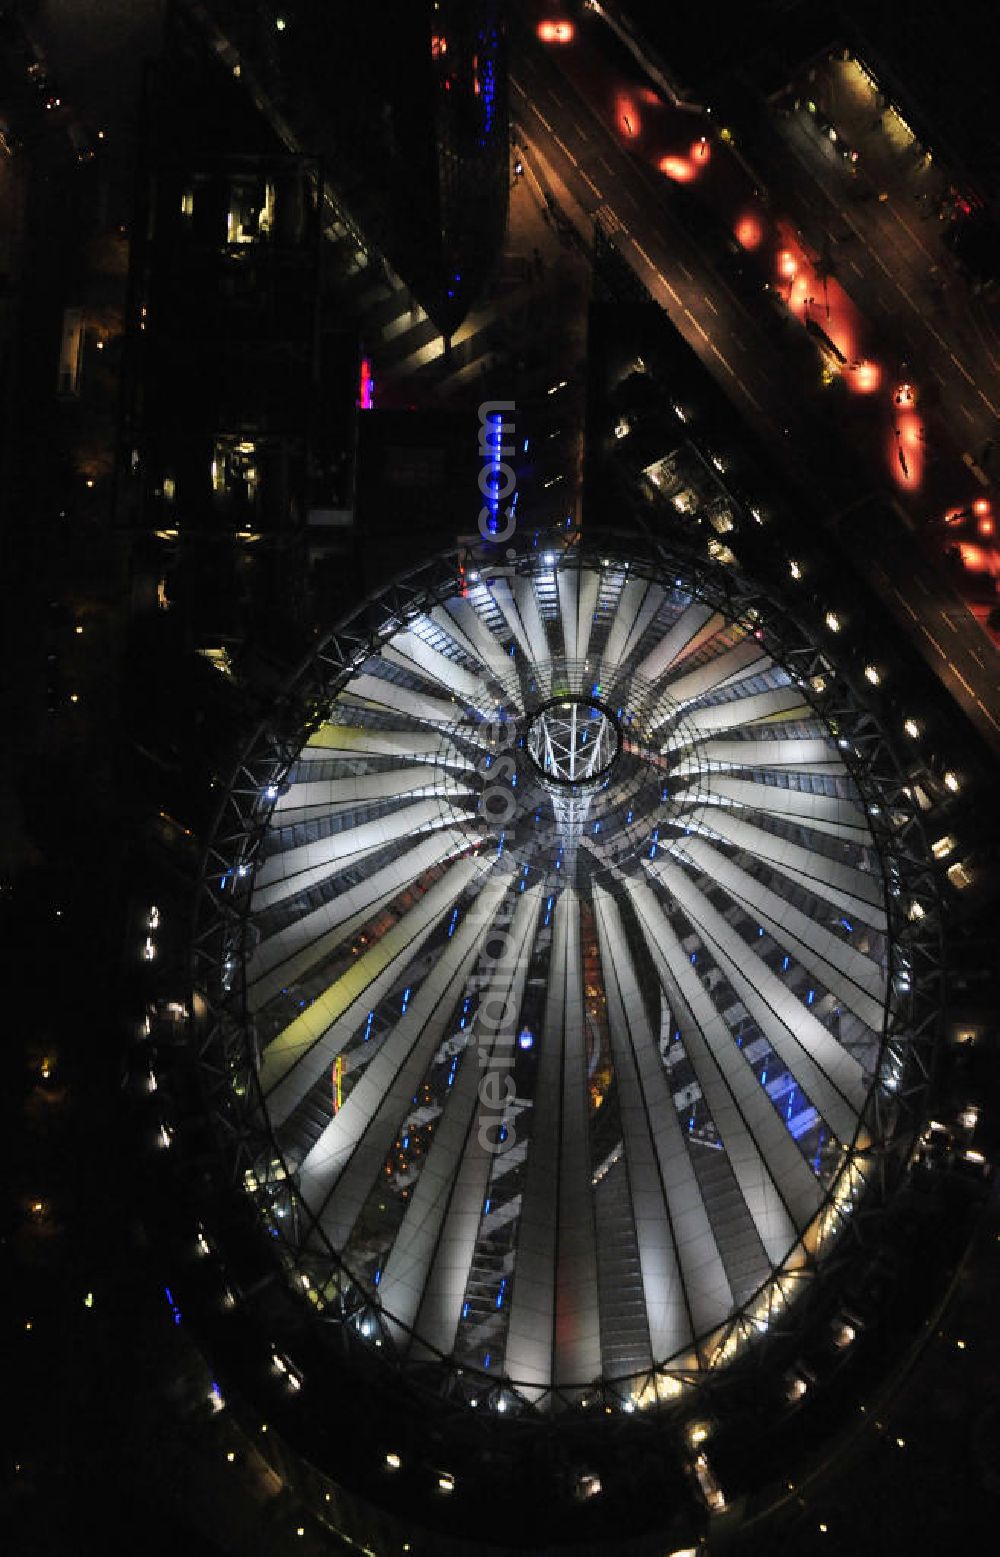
(299, 1054)
(299, 945)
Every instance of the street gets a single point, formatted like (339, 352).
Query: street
(852, 457)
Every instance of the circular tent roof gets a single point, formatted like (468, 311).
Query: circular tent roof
(567, 977)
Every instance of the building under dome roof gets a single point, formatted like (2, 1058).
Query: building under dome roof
(682, 1105)
(559, 975)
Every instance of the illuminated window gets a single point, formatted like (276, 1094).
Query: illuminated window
(266, 221)
(251, 212)
(234, 468)
(235, 231)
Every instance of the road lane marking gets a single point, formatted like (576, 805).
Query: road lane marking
(950, 663)
(666, 283)
(949, 621)
(728, 366)
(711, 305)
(699, 327)
(657, 273)
(931, 639)
(952, 666)
(962, 368)
(878, 259)
(588, 180)
(681, 266)
(987, 402)
(562, 145)
(541, 116)
(907, 228)
(689, 315)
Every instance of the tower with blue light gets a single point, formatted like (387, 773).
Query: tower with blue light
(425, 94)
(470, 91)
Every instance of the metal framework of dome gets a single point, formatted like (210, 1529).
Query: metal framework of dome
(563, 977)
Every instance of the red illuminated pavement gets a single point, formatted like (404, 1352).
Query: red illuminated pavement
(619, 149)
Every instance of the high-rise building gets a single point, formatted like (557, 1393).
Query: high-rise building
(420, 98)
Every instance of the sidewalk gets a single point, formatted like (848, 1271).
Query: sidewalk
(888, 150)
